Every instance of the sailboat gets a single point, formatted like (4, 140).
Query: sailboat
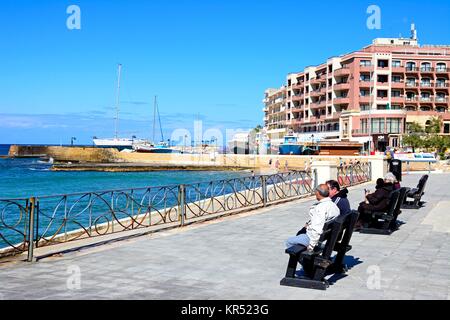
(161, 147)
(116, 142)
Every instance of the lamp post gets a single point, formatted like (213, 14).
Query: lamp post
(72, 140)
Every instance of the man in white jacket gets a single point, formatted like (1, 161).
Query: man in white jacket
(320, 212)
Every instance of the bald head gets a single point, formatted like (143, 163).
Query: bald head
(322, 191)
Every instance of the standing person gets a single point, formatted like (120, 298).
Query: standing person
(339, 197)
(320, 212)
(277, 164)
(286, 166)
(270, 162)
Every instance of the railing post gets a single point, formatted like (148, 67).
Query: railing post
(182, 203)
(31, 215)
(316, 183)
(370, 172)
(264, 190)
(351, 176)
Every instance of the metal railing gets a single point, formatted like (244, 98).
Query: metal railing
(26, 224)
(354, 174)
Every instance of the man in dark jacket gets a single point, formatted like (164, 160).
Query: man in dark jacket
(339, 197)
(376, 201)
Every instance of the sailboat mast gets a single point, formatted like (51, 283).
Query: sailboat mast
(154, 119)
(116, 135)
(159, 120)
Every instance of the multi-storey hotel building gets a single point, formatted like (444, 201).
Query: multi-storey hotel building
(368, 95)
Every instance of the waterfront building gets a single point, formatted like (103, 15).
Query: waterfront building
(372, 94)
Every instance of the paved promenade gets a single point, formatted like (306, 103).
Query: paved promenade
(243, 257)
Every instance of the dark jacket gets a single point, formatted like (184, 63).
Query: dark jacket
(379, 200)
(340, 199)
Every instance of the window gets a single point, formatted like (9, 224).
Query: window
(364, 107)
(426, 96)
(396, 93)
(393, 125)
(383, 63)
(382, 93)
(441, 67)
(396, 64)
(410, 82)
(426, 66)
(377, 125)
(365, 77)
(446, 127)
(425, 82)
(440, 83)
(396, 79)
(396, 107)
(410, 66)
(383, 78)
(363, 126)
(364, 93)
(365, 63)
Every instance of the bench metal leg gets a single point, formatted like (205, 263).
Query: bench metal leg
(292, 266)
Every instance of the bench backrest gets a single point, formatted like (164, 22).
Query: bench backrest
(422, 184)
(393, 201)
(401, 199)
(331, 231)
(347, 228)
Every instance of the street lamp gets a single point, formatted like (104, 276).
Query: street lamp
(72, 140)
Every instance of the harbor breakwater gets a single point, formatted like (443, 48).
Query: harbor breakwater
(111, 160)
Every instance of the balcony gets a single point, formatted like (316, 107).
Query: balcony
(382, 84)
(344, 71)
(426, 99)
(342, 100)
(364, 99)
(441, 85)
(426, 70)
(442, 70)
(398, 99)
(412, 70)
(412, 84)
(365, 84)
(315, 93)
(297, 97)
(342, 86)
(398, 85)
(398, 69)
(441, 99)
(366, 68)
(297, 86)
(315, 81)
(426, 85)
(412, 99)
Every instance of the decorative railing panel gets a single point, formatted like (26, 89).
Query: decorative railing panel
(50, 220)
(354, 174)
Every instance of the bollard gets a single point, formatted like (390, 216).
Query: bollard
(31, 229)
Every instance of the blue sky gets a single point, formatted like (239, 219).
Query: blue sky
(208, 60)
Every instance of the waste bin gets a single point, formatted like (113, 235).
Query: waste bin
(395, 166)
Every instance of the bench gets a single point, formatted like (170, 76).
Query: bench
(416, 194)
(385, 222)
(319, 262)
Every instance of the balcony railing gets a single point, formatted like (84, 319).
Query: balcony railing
(442, 69)
(441, 85)
(411, 69)
(426, 69)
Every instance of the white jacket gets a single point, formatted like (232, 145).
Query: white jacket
(320, 212)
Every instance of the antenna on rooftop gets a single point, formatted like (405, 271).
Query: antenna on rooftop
(413, 31)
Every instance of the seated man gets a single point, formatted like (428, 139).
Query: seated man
(338, 196)
(320, 212)
(376, 201)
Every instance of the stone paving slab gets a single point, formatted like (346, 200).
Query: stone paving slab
(242, 257)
